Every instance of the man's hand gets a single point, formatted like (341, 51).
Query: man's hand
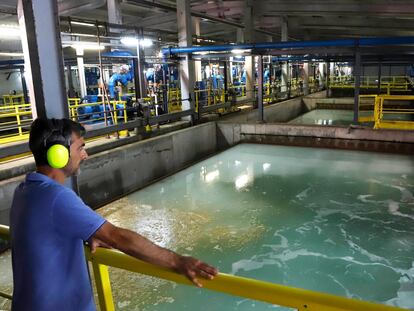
(95, 242)
(191, 268)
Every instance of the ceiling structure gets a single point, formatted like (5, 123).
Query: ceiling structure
(220, 19)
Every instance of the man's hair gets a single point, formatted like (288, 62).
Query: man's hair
(40, 131)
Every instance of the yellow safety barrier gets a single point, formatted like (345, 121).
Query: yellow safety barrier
(380, 111)
(368, 107)
(388, 83)
(17, 117)
(13, 99)
(291, 297)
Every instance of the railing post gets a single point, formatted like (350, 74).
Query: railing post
(103, 286)
(16, 108)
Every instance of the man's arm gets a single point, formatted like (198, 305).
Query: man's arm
(140, 247)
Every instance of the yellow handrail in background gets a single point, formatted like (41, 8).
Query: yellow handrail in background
(380, 111)
(296, 298)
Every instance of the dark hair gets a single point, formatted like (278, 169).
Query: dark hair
(42, 129)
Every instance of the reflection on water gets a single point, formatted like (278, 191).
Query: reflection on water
(338, 117)
(334, 221)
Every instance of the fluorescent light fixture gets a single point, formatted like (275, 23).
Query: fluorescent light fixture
(238, 51)
(84, 24)
(11, 54)
(201, 53)
(9, 31)
(145, 42)
(131, 41)
(87, 46)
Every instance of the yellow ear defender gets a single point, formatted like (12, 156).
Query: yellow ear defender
(57, 156)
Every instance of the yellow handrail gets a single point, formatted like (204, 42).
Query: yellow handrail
(297, 298)
(380, 111)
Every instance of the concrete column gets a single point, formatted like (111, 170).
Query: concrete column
(357, 75)
(329, 74)
(240, 35)
(305, 78)
(114, 13)
(248, 38)
(284, 37)
(81, 72)
(197, 63)
(42, 49)
(322, 75)
(187, 65)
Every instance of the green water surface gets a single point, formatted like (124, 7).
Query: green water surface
(340, 222)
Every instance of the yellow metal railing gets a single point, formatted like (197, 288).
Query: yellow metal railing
(299, 299)
(13, 99)
(13, 118)
(368, 105)
(381, 111)
(388, 83)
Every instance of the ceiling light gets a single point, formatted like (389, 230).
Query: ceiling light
(145, 42)
(238, 51)
(87, 46)
(131, 41)
(84, 24)
(10, 54)
(9, 31)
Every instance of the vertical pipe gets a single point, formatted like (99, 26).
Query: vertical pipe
(357, 75)
(260, 88)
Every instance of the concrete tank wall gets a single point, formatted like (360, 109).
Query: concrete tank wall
(110, 174)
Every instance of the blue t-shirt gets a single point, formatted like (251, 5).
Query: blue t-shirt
(48, 224)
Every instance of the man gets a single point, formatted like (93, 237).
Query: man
(49, 223)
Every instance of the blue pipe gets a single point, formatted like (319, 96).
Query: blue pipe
(291, 45)
(12, 62)
(117, 53)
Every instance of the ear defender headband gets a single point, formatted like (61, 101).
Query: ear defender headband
(57, 145)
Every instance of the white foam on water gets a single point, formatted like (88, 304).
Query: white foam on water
(393, 209)
(406, 195)
(303, 195)
(405, 294)
(347, 292)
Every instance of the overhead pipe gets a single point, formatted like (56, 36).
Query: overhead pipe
(291, 45)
